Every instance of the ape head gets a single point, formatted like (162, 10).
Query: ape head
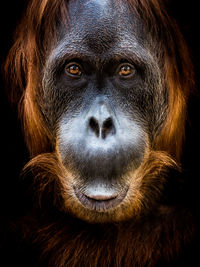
(106, 84)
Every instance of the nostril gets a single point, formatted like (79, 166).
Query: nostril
(108, 128)
(94, 126)
(108, 123)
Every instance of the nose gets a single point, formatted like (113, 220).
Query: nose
(103, 129)
(101, 122)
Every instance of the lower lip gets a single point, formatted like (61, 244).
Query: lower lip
(100, 205)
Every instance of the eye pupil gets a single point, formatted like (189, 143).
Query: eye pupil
(126, 68)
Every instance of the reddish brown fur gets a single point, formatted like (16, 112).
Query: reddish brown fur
(133, 243)
(125, 244)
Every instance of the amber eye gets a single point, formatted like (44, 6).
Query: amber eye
(73, 69)
(126, 70)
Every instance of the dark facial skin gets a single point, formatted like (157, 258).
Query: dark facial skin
(102, 100)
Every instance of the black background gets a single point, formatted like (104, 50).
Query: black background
(13, 152)
(12, 148)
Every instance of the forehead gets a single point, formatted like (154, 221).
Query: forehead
(96, 10)
(100, 30)
(98, 24)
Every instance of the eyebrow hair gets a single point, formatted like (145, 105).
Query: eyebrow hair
(129, 49)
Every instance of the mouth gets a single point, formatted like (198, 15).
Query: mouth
(100, 201)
